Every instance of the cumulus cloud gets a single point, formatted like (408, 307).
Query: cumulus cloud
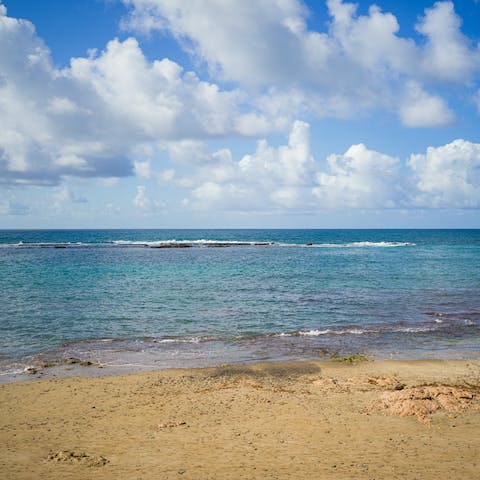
(61, 198)
(44, 134)
(63, 194)
(114, 113)
(143, 169)
(240, 40)
(448, 54)
(143, 202)
(448, 176)
(187, 151)
(157, 99)
(359, 62)
(271, 176)
(420, 109)
(166, 175)
(371, 41)
(289, 178)
(90, 118)
(359, 178)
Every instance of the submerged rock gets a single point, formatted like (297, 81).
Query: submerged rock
(72, 361)
(171, 245)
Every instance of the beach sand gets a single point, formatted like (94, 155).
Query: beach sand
(308, 420)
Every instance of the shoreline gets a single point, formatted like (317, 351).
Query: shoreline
(47, 366)
(310, 419)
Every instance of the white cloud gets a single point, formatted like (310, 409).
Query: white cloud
(240, 40)
(421, 109)
(372, 40)
(63, 194)
(187, 151)
(92, 118)
(157, 99)
(43, 135)
(115, 112)
(143, 169)
(62, 199)
(285, 197)
(448, 54)
(210, 193)
(360, 178)
(111, 209)
(166, 176)
(73, 162)
(62, 105)
(288, 177)
(108, 181)
(144, 202)
(289, 164)
(360, 62)
(141, 200)
(447, 176)
(270, 177)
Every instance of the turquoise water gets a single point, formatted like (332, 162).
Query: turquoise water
(237, 295)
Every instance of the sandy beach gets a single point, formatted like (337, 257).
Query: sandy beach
(366, 420)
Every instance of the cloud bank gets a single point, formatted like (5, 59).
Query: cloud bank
(359, 62)
(110, 113)
(89, 119)
(289, 178)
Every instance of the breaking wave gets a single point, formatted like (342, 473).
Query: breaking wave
(173, 243)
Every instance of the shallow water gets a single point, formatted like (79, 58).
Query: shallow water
(222, 296)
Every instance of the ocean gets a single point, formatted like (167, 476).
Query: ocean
(142, 299)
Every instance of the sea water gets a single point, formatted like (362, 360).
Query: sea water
(175, 298)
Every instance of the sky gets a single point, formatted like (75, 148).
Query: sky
(227, 114)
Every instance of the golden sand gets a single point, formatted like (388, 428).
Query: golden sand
(309, 420)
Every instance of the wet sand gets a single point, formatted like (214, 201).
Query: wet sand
(308, 420)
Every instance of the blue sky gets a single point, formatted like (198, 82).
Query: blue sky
(209, 113)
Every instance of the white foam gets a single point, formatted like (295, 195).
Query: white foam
(414, 329)
(358, 331)
(315, 333)
(190, 243)
(379, 244)
(16, 371)
(179, 340)
(328, 331)
(202, 242)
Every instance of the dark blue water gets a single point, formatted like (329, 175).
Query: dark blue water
(238, 295)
